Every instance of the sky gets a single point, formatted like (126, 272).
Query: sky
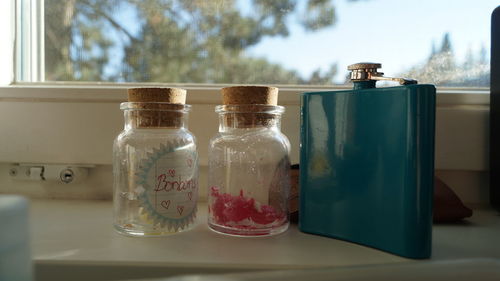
(396, 33)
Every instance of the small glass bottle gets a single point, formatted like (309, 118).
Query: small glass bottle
(155, 165)
(249, 166)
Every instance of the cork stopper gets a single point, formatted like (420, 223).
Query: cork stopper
(170, 95)
(250, 95)
(157, 107)
(252, 99)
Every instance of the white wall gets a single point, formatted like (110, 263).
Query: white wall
(77, 126)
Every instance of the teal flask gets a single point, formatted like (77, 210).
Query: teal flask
(367, 163)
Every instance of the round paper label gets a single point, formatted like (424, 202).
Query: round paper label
(168, 181)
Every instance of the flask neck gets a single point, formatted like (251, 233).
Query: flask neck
(360, 85)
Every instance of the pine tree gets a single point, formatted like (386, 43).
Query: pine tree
(483, 53)
(470, 60)
(446, 45)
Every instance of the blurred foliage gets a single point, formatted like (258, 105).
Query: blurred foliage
(175, 41)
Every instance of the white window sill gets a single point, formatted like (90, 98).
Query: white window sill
(78, 235)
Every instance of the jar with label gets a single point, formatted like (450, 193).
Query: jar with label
(249, 166)
(155, 165)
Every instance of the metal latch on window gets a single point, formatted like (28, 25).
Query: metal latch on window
(49, 172)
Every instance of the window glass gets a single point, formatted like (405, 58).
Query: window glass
(265, 41)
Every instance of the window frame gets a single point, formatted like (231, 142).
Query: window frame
(29, 54)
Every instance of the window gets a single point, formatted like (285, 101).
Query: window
(304, 42)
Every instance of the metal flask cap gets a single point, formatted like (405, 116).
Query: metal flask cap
(368, 71)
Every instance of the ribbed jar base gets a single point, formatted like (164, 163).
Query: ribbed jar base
(141, 231)
(260, 232)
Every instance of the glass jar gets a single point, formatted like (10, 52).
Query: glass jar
(249, 172)
(155, 170)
